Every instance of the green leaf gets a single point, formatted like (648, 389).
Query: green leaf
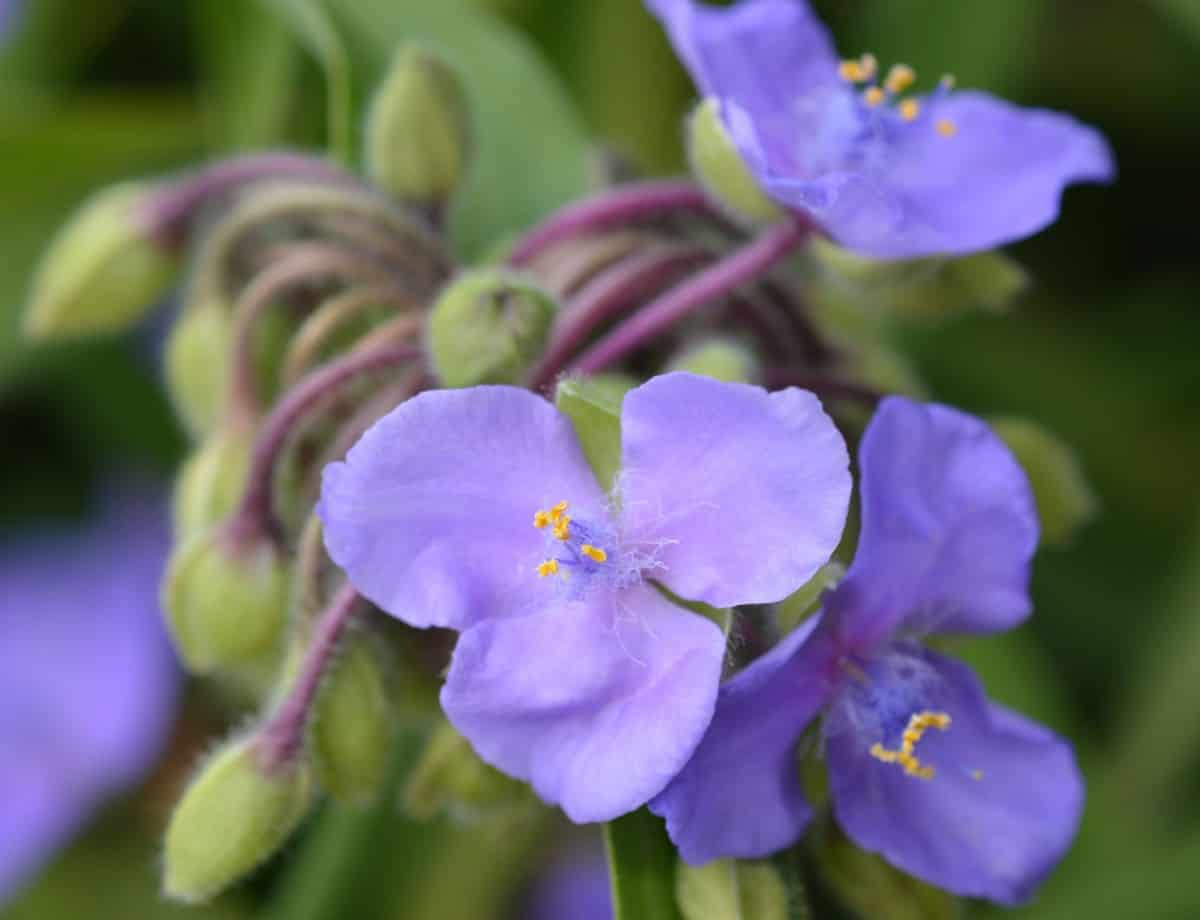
(641, 867)
(729, 889)
(312, 26)
(593, 404)
(532, 146)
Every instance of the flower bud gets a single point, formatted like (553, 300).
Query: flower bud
(933, 288)
(101, 273)
(226, 601)
(197, 364)
(721, 359)
(727, 888)
(718, 166)
(488, 326)
(211, 481)
(232, 817)
(353, 725)
(450, 778)
(1065, 500)
(418, 137)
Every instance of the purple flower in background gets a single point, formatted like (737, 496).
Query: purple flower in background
(574, 887)
(8, 15)
(87, 677)
(923, 769)
(476, 510)
(885, 175)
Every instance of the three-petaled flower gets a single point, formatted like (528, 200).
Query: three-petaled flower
(923, 769)
(883, 174)
(476, 510)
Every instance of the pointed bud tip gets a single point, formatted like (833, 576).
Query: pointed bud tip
(718, 166)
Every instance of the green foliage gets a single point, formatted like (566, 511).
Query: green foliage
(642, 868)
(728, 889)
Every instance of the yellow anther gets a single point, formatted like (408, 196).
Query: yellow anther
(594, 553)
(977, 775)
(852, 71)
(874, 97)
(918, 724)
(869, 65)
(557, 511)
(899, 78)
(562, 528)
(541, 519)
(946, 128)
(549, 567)
(910, 109)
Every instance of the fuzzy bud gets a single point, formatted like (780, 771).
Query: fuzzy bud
(717, 165)
(211, 481)
(197, 364)
(418, 137)
(353, 725)
(488, 326)
(226, 600)
(233, 816)
(450, 778)
(101, 273)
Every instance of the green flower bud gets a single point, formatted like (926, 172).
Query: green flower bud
(353, 725)
(593, 404)
(450, 778)
(718, 166)
(101, 273)
(1065, 499)
(226, 600)
(197, 364)
(870, 887)
(931, 288)
(232, 817)
(418, 137)
(212, 480)
(726, 888)
(721, 359)
(488, 326)
(795, 609)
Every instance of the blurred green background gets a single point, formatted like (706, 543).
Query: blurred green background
(1102, 349)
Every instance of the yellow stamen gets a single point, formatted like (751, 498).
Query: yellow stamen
(541, 519)
(869, 65)
(977, 775)
(562, 528)
(946, 128)
(910, 109)
(594, 553)
(549, 567)
(918, 724)
(899, 78)
(874, 97)
(557, 511)
(852, 72)
(948, 81)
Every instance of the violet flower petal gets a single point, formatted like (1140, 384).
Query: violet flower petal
(431, 513)
(740, 796)
(596, 702)
(743, 493)
(949, 529)
(999, 812)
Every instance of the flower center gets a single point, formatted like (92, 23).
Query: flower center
(864, 72)
(918, 724)
(573, 546)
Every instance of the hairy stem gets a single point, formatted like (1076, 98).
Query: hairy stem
(611, 209)
(746, 264)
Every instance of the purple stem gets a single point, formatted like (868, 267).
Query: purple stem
(746, 264)
(281, 738)
(615, 208)
(167, 214)
(255, 514)
(611, 293)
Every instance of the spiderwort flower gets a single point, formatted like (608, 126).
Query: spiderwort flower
(87, 679)
(475, 510)
(923, 769)
(884, 174)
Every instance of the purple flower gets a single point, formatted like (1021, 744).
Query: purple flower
(887, 176)
(923, 769)
(476, 510)
(8, 15)
(575, 886)
(87, 678)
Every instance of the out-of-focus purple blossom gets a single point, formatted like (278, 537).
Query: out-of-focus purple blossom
(8, 16)
(87, 677)
(887, 176)
(923, 769)
(575, 887)
(476, 510)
